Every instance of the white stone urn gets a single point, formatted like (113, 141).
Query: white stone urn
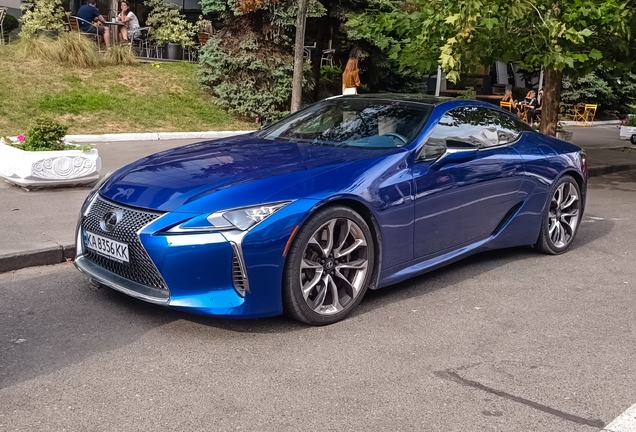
(627, 132)
(36, 169)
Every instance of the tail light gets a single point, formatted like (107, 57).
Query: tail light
(583, 162)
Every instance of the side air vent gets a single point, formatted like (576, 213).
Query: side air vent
(237, 276)
(507, 217)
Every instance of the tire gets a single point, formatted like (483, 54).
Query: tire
(561, 217)
(335, 275)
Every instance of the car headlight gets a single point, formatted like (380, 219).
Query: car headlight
(241, 218)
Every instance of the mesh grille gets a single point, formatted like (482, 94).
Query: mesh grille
(140, 269)
(237, 275)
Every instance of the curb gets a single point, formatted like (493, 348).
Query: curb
(37, 257)
(594, 123)
(153, 136)
(609, 169)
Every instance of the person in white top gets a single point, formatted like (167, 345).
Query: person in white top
(131, 23)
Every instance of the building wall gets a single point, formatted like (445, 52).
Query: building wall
(14, 7)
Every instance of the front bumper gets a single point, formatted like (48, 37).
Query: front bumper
(194, 272)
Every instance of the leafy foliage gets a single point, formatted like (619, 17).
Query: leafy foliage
(40, 15)
(45, 134)
(168, 24)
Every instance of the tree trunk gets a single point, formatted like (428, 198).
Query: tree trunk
(297, 81)
(550, 101)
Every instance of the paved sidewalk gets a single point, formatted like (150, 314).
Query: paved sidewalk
(38, 226)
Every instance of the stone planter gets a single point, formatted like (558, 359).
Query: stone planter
(627, 132)
(48, 168)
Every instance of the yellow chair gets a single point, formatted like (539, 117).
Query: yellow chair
(507, 105)
(577, 112)
(589, 112)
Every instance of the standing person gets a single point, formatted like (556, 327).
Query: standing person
(131, 23)
(350, 78)
(508, 98)
(90, 14)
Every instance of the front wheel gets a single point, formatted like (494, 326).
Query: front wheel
(328, 267)
(561, 217)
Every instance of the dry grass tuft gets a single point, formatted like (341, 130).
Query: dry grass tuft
(76, 51)
(36, 48)
(120, 55)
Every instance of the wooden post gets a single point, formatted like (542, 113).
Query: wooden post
(299, 63)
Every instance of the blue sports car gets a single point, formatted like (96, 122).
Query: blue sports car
(349, 194)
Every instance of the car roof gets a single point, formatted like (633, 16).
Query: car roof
(405, 97)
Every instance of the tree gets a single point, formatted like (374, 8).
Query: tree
(297, 80)
(569, 37)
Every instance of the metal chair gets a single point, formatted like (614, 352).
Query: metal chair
(327, 57)
(74, 23)
(3, 14)
(139, 40)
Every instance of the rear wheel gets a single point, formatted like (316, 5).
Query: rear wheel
(561, 217)
(328, 267)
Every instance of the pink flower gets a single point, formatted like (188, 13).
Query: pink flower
(21, 138)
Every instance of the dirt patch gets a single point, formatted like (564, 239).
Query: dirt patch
(624, 149)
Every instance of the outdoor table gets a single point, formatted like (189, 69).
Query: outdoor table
(114, 30)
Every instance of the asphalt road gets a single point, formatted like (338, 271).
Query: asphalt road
(509, 341)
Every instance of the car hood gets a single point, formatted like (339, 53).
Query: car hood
(242, 170)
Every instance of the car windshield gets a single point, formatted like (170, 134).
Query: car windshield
(352, 122)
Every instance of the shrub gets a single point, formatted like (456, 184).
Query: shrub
(74, 51)
(41, 15)
(631, 121)
(120, 55)
(167, 24)
(10, 24)
(249, 77)
(45, 134)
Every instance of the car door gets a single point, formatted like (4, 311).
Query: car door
(467, 177)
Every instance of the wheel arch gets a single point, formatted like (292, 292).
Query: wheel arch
(580, 181)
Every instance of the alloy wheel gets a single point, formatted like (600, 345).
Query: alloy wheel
(563, 217)
(334, 266)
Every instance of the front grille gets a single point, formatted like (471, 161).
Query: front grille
(140, 268)
(237, 275)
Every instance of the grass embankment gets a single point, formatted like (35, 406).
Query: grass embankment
(107, 99)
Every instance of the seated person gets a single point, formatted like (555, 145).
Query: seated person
(130, 20)
(508, 98)
(535, 110)
(90, 14)
(530, 101)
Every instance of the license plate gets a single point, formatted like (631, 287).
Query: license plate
(107, 247)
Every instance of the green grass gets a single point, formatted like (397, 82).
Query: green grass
(107, 99)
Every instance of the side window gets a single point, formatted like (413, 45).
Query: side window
(467, 127)
(509, 128)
